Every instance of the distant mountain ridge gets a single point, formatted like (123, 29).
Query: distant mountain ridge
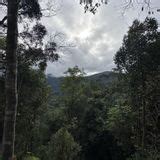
(103, 78)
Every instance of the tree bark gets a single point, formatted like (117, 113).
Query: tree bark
(143, 113)
(143, 124)
(11, 81)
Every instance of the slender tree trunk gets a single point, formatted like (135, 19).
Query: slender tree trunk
(11, 81)
(144, 124)
(143, 113)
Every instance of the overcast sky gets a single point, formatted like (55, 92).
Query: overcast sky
(95, 38)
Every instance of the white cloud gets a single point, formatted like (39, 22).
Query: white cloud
(97, 37)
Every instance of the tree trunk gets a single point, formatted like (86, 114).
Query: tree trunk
(143, 112)
(143, 124)
(11, 81)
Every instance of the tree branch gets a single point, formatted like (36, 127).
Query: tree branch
(2, 22)
(3, 4)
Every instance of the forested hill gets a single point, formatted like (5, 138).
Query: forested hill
(104, 78)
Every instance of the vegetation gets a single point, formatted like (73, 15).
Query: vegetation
(62, 146)
(137, 59)
(108, 116)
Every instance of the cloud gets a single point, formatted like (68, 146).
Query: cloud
(96, 37)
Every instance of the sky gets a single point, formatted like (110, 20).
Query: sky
(93, 39)
(90, 41)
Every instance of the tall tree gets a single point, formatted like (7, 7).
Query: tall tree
(11, 81)
(15, 8)
(137, 58)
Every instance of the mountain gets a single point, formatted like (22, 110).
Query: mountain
(104, 78)
(54, 82)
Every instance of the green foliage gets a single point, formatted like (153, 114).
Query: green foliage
(74, 72)
(2, 43)
(84, 110)
(30, 157)
(104, 146)
(120, 122)
(101, 118)
(74, 94)
(33, 96)
(94, 121)
(151, 155)
(97, 80)
(135, 55)
(120, 117)
(62, 146)
(32, 50)
(138, 60)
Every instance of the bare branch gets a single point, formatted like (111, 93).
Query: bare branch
(51, 8)
(2, 22)
(3, 4)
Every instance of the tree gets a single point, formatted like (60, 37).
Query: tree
(120, 122)
(30, 82)
(11, 81)
(137, 59)
(62, 146)
(11, 75)
(2, 85)
(73, 88)
(16, 9)
(104, 146)
(33, 96)
(31, 51)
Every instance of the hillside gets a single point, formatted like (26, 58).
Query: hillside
(104, 78)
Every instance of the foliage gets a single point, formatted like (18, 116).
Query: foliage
(73, 88)
(120, 122)
(30, 9)
(33, 50)
(137, 60)
(97, 80)
(104, 146)
(30, 158)
(120, 118)
(88, 120)
(2, 44)
(62, 146)
(151, 155)
(33, 95)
